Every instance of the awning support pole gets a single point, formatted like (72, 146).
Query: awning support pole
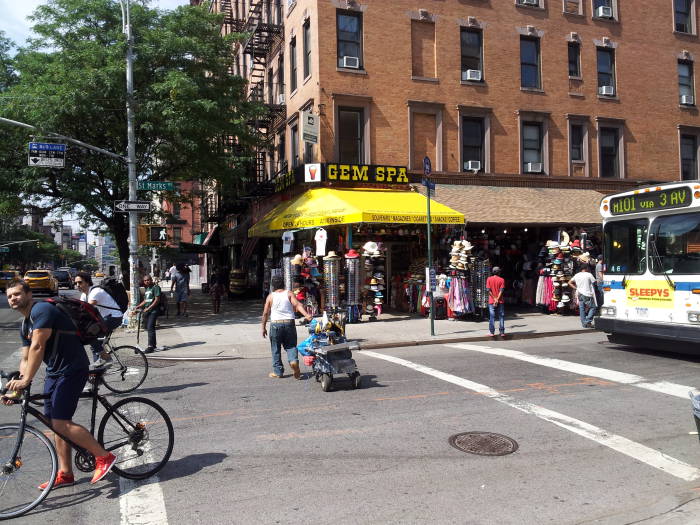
(430, 266)
(348, 236)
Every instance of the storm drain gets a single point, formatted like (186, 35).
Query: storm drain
(484, 443)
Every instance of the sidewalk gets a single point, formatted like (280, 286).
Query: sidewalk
(236, 332)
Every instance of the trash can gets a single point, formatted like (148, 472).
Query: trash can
(695, 400)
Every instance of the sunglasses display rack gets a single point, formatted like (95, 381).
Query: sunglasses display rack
(353, 281)
(480, 271)
(331, 275)
(288, 272)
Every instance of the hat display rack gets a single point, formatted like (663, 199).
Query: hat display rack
(331, 274)
(353, 285)
(559, 259)
(374, 255)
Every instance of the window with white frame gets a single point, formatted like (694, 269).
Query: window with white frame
(294, 143)
(473, 144)
(605, 9)
(574, 49)
(578, 146)
(530, 63)
(472, 51)
(293, 65)
(683, 11)
(572, 7)
(686, 88)
(576, 134)
(351, 135)
(349, 27)
(307, 48)
(532, 147)
(609, 138)
(606, 71)
(530, 3)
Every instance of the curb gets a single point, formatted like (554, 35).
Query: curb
(398, 344)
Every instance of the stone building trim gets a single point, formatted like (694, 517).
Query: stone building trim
(349, 5)
(686, 55)
(471, 22)
(530, 31)
(422, 15)
(574, 38)
(605, 42)
(430, 108)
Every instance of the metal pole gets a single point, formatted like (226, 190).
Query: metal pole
(131, 151)
(430, 266)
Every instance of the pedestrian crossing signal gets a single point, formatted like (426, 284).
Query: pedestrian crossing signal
(158, 234)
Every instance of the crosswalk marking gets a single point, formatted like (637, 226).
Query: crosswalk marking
(615, 442)
(663, 387)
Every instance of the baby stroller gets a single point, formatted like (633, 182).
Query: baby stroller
(328, 354)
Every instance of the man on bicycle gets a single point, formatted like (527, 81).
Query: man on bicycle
(108, 308)
(66, 374)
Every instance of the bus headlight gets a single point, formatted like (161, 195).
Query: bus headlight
(609, 311)
(694, 317)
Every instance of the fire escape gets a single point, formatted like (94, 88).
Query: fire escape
(263, 22)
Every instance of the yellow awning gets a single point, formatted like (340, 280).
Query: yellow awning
(331, 207)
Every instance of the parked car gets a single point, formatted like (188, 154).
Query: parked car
(6, 276)
(64, 278)
(41, 281)
(72, 271)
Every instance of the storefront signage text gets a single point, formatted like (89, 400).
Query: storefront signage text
(655, 294)
(366, 173)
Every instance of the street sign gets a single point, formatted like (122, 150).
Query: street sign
(428, 184)
(4, 249)
(310, 127)
(47, 155)
(158, 234)
(431, 279)
(427, 167)
(127, 206)
(156, 185)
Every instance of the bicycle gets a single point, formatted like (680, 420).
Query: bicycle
(138, 430)
(128, 369)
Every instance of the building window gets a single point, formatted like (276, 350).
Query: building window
(532, 147)
(574, 59)
(473, 143)
(176, 210)
(281, 153)
(605, 9)
(686, 89)
(530, 62)
(472, 46)
(307, 48)
(351, 136)
(689, 157)
(576, 140)
(293, 65)
(423, 49)
(177, 234)
(572, 7)
(294, 144)
(308, 152)
(349, 39)
(609, 144)
(606, 72)
(683, 15)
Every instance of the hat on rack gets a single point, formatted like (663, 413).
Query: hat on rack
(467, 246)
(454, 259)
(460, 266)
(576, 244)
(565, 298)
(370, 246)
(377, 300)
(564, 238)
(560, 304)
(556, 283)
(552, 244)
(298, 260)
(584, 257)
(373, 281)
(374, 287)
(369, 309)
(311, 262)
(457, 245)
(352, 254)
(560, 274)
(331, 255)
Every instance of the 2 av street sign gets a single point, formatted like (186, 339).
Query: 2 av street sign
(155, 185)
(127, 206)
(47, 155)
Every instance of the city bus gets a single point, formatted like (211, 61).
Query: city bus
(652, 267)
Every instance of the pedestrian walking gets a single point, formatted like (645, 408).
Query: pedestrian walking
(599, 279)
(216, 290)
(584, 284)
(280, 306)
(149, 305)
(108, 308)
(181, 284)
(496, 285)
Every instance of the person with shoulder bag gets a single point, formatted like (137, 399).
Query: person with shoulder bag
(151, 310)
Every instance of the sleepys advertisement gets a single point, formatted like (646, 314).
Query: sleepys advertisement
(651, 294)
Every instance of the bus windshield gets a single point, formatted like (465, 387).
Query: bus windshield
(675, 244)
(625, 246)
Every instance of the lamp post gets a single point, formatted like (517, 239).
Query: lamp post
(131, 147)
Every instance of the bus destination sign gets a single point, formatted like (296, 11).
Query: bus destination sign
(654, 200)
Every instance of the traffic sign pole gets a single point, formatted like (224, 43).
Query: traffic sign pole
(427, 169)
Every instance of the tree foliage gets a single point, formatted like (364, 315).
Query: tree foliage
(70, 80)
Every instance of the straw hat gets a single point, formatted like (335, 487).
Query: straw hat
(373, 281)
(565, 238)
(331, 255)
(370, 246)
(460, 266)
(584, 257)
(467, 246)
(298, 260)
(552, 244)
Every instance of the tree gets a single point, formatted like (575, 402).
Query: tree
(71, 80)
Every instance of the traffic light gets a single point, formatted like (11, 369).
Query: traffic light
(158, 234)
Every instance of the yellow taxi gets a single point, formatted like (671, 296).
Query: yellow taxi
(99, 274)
(6, 276)
(41, 281)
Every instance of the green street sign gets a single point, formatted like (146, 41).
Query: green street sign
(153, 185)
(4, 249)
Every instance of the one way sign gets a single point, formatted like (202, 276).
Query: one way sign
(127, 206)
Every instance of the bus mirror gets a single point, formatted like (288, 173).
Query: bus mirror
(652, 237)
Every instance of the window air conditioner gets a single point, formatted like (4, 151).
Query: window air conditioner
(472, 74)
(608, 91)
(604, 12)
(472, 165)
(529, 2)
(688, 100)
(280, 99)
(533, 167)
(351, 62)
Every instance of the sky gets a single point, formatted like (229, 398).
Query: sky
(16, 26)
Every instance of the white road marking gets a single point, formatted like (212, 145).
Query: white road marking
(601, 436)
(664, 387)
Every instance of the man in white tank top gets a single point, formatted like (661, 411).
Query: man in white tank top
(280, 306)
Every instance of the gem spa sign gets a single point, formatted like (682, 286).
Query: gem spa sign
(365, 173)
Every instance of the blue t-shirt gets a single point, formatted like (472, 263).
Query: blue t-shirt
(64, 353)
(182, 280)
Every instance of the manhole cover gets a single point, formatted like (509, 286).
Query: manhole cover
(484, 443)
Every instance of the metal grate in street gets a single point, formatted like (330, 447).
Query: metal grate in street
(484, 443)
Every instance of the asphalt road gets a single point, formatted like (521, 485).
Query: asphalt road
(605, 443)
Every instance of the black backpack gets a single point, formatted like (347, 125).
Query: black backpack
(116, 291)
(89, 324)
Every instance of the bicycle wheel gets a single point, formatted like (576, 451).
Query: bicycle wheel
(35, 464)
(128, 371)
(140, 433)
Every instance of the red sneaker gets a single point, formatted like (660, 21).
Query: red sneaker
(62, 480)
(102, 466)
